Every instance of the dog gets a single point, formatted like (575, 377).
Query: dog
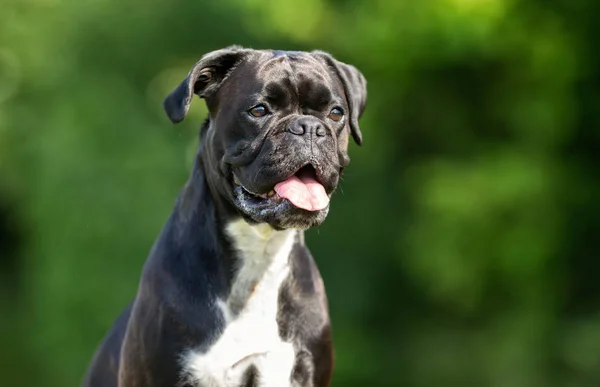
(230, 296)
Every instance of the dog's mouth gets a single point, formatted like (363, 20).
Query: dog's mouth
(302, 189)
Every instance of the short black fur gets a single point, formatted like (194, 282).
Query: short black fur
(193, 262)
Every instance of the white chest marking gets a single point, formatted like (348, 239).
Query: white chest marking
(251, 333)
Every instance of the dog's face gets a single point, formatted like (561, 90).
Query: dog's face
(277, 140)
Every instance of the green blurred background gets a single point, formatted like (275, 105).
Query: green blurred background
(461, 249)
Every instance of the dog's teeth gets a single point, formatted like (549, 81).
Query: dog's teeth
(271, 193)
(236, 180)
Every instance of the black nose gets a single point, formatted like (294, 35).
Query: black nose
(307, 125)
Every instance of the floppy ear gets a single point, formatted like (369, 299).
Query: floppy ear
(203, 79)
(355, 88)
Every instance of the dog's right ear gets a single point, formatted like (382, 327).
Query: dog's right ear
(203, 79)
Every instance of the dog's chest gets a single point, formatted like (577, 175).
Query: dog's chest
(249, 350)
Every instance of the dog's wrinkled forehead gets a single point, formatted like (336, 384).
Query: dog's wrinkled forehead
(284, 78)
(301, 73)
(291, 64)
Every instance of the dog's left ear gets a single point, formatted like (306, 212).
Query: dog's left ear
(355, 88)
(203, 79)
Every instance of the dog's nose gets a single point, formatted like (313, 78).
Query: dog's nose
(307, 125)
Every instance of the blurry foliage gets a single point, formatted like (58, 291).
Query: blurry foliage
(461, 249)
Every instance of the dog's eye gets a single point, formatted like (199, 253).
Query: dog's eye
(336, 114)
(258, 111)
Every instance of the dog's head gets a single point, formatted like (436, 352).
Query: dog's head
(277, 138)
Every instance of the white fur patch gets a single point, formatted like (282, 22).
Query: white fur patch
(251, 334)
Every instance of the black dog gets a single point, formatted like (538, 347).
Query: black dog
(230, 295)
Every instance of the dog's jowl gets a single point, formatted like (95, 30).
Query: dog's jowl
(230, 295)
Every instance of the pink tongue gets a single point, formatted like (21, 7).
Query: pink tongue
(304, 192)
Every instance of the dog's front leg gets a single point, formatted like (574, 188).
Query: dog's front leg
(153, 344)
(145, 361)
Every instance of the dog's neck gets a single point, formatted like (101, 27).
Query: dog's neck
(262, 262)
(243, 254)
